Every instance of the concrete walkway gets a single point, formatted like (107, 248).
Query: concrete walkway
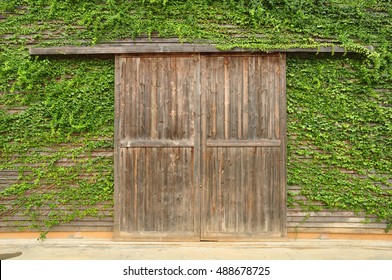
(84, 249)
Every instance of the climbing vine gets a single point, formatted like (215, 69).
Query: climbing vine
(56, 115)
(59, 139)
(339, 136)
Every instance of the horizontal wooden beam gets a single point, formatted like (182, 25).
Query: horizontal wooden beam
(165, 47)
(244, 143)
(156, 143)
(189, 144)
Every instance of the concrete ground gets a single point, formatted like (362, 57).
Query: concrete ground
(89, 249)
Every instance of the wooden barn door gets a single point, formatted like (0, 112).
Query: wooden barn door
(200, 147)
(243, 126)
(157, 192)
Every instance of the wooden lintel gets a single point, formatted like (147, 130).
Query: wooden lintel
(140, 48)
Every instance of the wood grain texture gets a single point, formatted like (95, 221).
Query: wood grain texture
(118, 107)
(200, 146)
(231, 206)
(283, 139)
(160, 190)
(156, 146)
(157, 100)
(243, 182)
(164, 46)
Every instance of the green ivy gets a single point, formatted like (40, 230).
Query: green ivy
(339, 122)
(57, 111)
(68, 115)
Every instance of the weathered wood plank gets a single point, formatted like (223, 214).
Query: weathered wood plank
(239, 95)
(332, 219)
(263, 98)
(163, 87)
(181, 98)
(276, 185)
(229, 193)
(157, 236)
(221, 170)
(117, 130)
(276, 102)
(262, 190)
(208, 202)
(324, 213)
(240, 197)
(140, 188)
(126, 182)
(233, 105)
(155, 143)
(124, 101)
(245, 99)
(157, 172)
(213, 85)
(331, 225)
(145, 102)
(345, 231)
(154, 98)
(283, 137)
(172, 101)
(269, 66)
(227, 114)
(248, 195)
(134, 190)
(253, 101)
(244, 143)
(134, 68)
(148, 187)
(220, 82)
(157, 211)
(138, 48)
(196, 120)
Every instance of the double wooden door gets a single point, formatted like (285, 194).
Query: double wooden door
(200, 147)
